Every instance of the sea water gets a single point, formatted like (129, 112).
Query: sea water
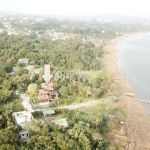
(133, 55)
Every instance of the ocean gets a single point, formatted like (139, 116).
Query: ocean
(133, 55)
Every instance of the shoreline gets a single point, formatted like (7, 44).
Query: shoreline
(137, 122)
(110, 63)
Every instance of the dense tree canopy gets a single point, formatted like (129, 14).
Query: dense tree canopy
(75, 50)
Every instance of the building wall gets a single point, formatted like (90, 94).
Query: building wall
(24, 135)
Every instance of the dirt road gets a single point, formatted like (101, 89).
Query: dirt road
(83, 105)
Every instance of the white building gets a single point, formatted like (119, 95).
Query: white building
(24, 134)
(23, 60)
(21, 118)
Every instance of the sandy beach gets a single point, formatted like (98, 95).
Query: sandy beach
(110, 62)
(137, 123)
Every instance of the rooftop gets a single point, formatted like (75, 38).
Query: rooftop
(45, 92)
(43, 97)
(48, 112)
(22, 117)
(48, 87)
(23, 131)
(26, 59)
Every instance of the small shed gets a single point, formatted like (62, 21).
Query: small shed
(24, 134)
(47, 113)
(23, 60)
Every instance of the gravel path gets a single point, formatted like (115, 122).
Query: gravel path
(26, 102)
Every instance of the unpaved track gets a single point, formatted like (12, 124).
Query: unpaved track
(83, 105)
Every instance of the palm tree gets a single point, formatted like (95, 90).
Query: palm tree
(98, 118)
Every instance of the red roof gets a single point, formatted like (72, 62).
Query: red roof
(47, 91)
(47, 87)
(43, 97)
(42, 91)
(55, 92)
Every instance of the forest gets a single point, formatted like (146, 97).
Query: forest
(71, 58)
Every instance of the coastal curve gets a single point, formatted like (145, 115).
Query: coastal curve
(137, 123)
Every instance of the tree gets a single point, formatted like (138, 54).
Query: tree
(64, 92)
(9, 136)
(7, 147)
(67, 101)
(22, 71)
(32, 90)
(81, 135)
(98, 118)
(8, 69)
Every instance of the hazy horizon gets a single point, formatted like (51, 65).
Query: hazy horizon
(78, 8)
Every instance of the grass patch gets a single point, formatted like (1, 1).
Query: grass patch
(93, 74)
(71, 100)
(37, 115)
(75, 99)
(118, 112)
(99, 108)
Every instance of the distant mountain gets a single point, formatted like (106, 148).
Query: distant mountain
(120, 18)
(7, 12)
(20, 14)
(107, 18)
(101, 17)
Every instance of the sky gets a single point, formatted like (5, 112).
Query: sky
(138, 8)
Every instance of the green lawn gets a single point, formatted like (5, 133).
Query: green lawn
(62, 122)
(93, 74)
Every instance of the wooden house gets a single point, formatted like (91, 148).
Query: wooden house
(47, 93)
